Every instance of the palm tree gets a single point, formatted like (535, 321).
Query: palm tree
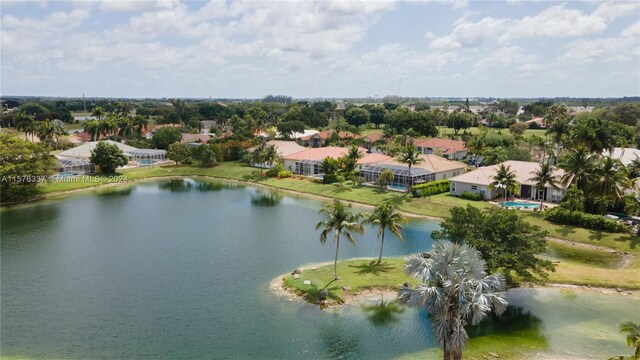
(257, 156)
(98, 112)
(270, 155)
(495, 156)
(48, 130)
(342, 221)
(126, 127)
(633, 336)
(558, 130)
(410, 156)
(385, 216)
(109, 125)
(455, 289)
(25, 123)
(140, 123)
(578, 168)
(92, 128)
(610, 179)
(543, 177)
(506, 180)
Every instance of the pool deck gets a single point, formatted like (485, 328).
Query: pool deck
(545, 205)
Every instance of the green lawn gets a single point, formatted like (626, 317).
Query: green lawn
(358, 274)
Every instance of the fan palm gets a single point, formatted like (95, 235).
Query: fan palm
(506, 180)
(543, 177)
(455, 289)
(342, 221)
(410, 156)
(385, 216)
(578, 168)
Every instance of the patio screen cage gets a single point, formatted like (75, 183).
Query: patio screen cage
(308, 167)
(147, 154)
(76, 166)
(401, 178)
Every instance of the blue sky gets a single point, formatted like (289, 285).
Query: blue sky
(248, 49)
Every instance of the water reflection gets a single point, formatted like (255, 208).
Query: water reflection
(116, 192)
(186, 185)
(266, 198)
(514, 319)
(383, 313)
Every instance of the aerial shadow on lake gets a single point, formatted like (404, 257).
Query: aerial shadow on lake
(514, 319)
(338, 342)
(266, 198)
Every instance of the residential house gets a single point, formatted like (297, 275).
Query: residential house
(320, 139)
(625, 155)
(283, 148)
(308, 162)
(447, 148)
(479, 182)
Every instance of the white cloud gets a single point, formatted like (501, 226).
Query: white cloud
(616, 49)
(633, 30)
(505, 57)
(136, 6)
(470, 34)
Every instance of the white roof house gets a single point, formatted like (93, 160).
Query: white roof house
(479, 181)
(84, 151)
(625, 155)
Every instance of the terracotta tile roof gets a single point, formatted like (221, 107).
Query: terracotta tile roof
(373, 137)
(192, 138)
(523, 170)
(447, 146)
(318, 154)
(433, 163)
(284, 148)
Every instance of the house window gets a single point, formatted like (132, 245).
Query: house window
(453, 187)
(474, 187)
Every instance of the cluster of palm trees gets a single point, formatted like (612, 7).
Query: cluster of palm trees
(48, 131)
(340, 220)
(118, 123)
(264, 153)
(601, 179)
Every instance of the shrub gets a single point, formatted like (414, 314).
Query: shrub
(330, 178)
(430, 188)
(564, 216)
(285, 174)
(472, 196)
(275, 170)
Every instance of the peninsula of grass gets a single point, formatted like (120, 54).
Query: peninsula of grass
(355, 276)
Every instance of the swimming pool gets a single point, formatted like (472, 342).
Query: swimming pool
(146, 162)
(520, 204)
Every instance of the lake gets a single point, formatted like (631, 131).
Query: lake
(181, 269)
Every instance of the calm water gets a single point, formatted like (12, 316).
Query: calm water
(180, 269)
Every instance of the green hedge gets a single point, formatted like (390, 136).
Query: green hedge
(430, 188)
(562, 216)
(472, 196)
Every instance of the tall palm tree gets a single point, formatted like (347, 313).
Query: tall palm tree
(505, 179)
(342, 221)
(410, 156)
(48, 130)
(610, 179)
(456, 290)
(385, 216)
(25, 123)
(109, 125)
(92, 127)
(558, 130)
(633, 336)
(257, 156)
(126, 127)
(578, 168)
(140, 123)
(543, 177)
(98, 112)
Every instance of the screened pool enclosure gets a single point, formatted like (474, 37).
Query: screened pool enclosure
(70, 167)
(401, 178)
(147, 154)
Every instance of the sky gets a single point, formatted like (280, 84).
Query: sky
(331, 49)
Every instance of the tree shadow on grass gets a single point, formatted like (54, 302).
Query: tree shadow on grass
(255, 176)
(566, 230)
(313, 292)
(341, 188)
(634, 240)
(372, 268)
(596, 235)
